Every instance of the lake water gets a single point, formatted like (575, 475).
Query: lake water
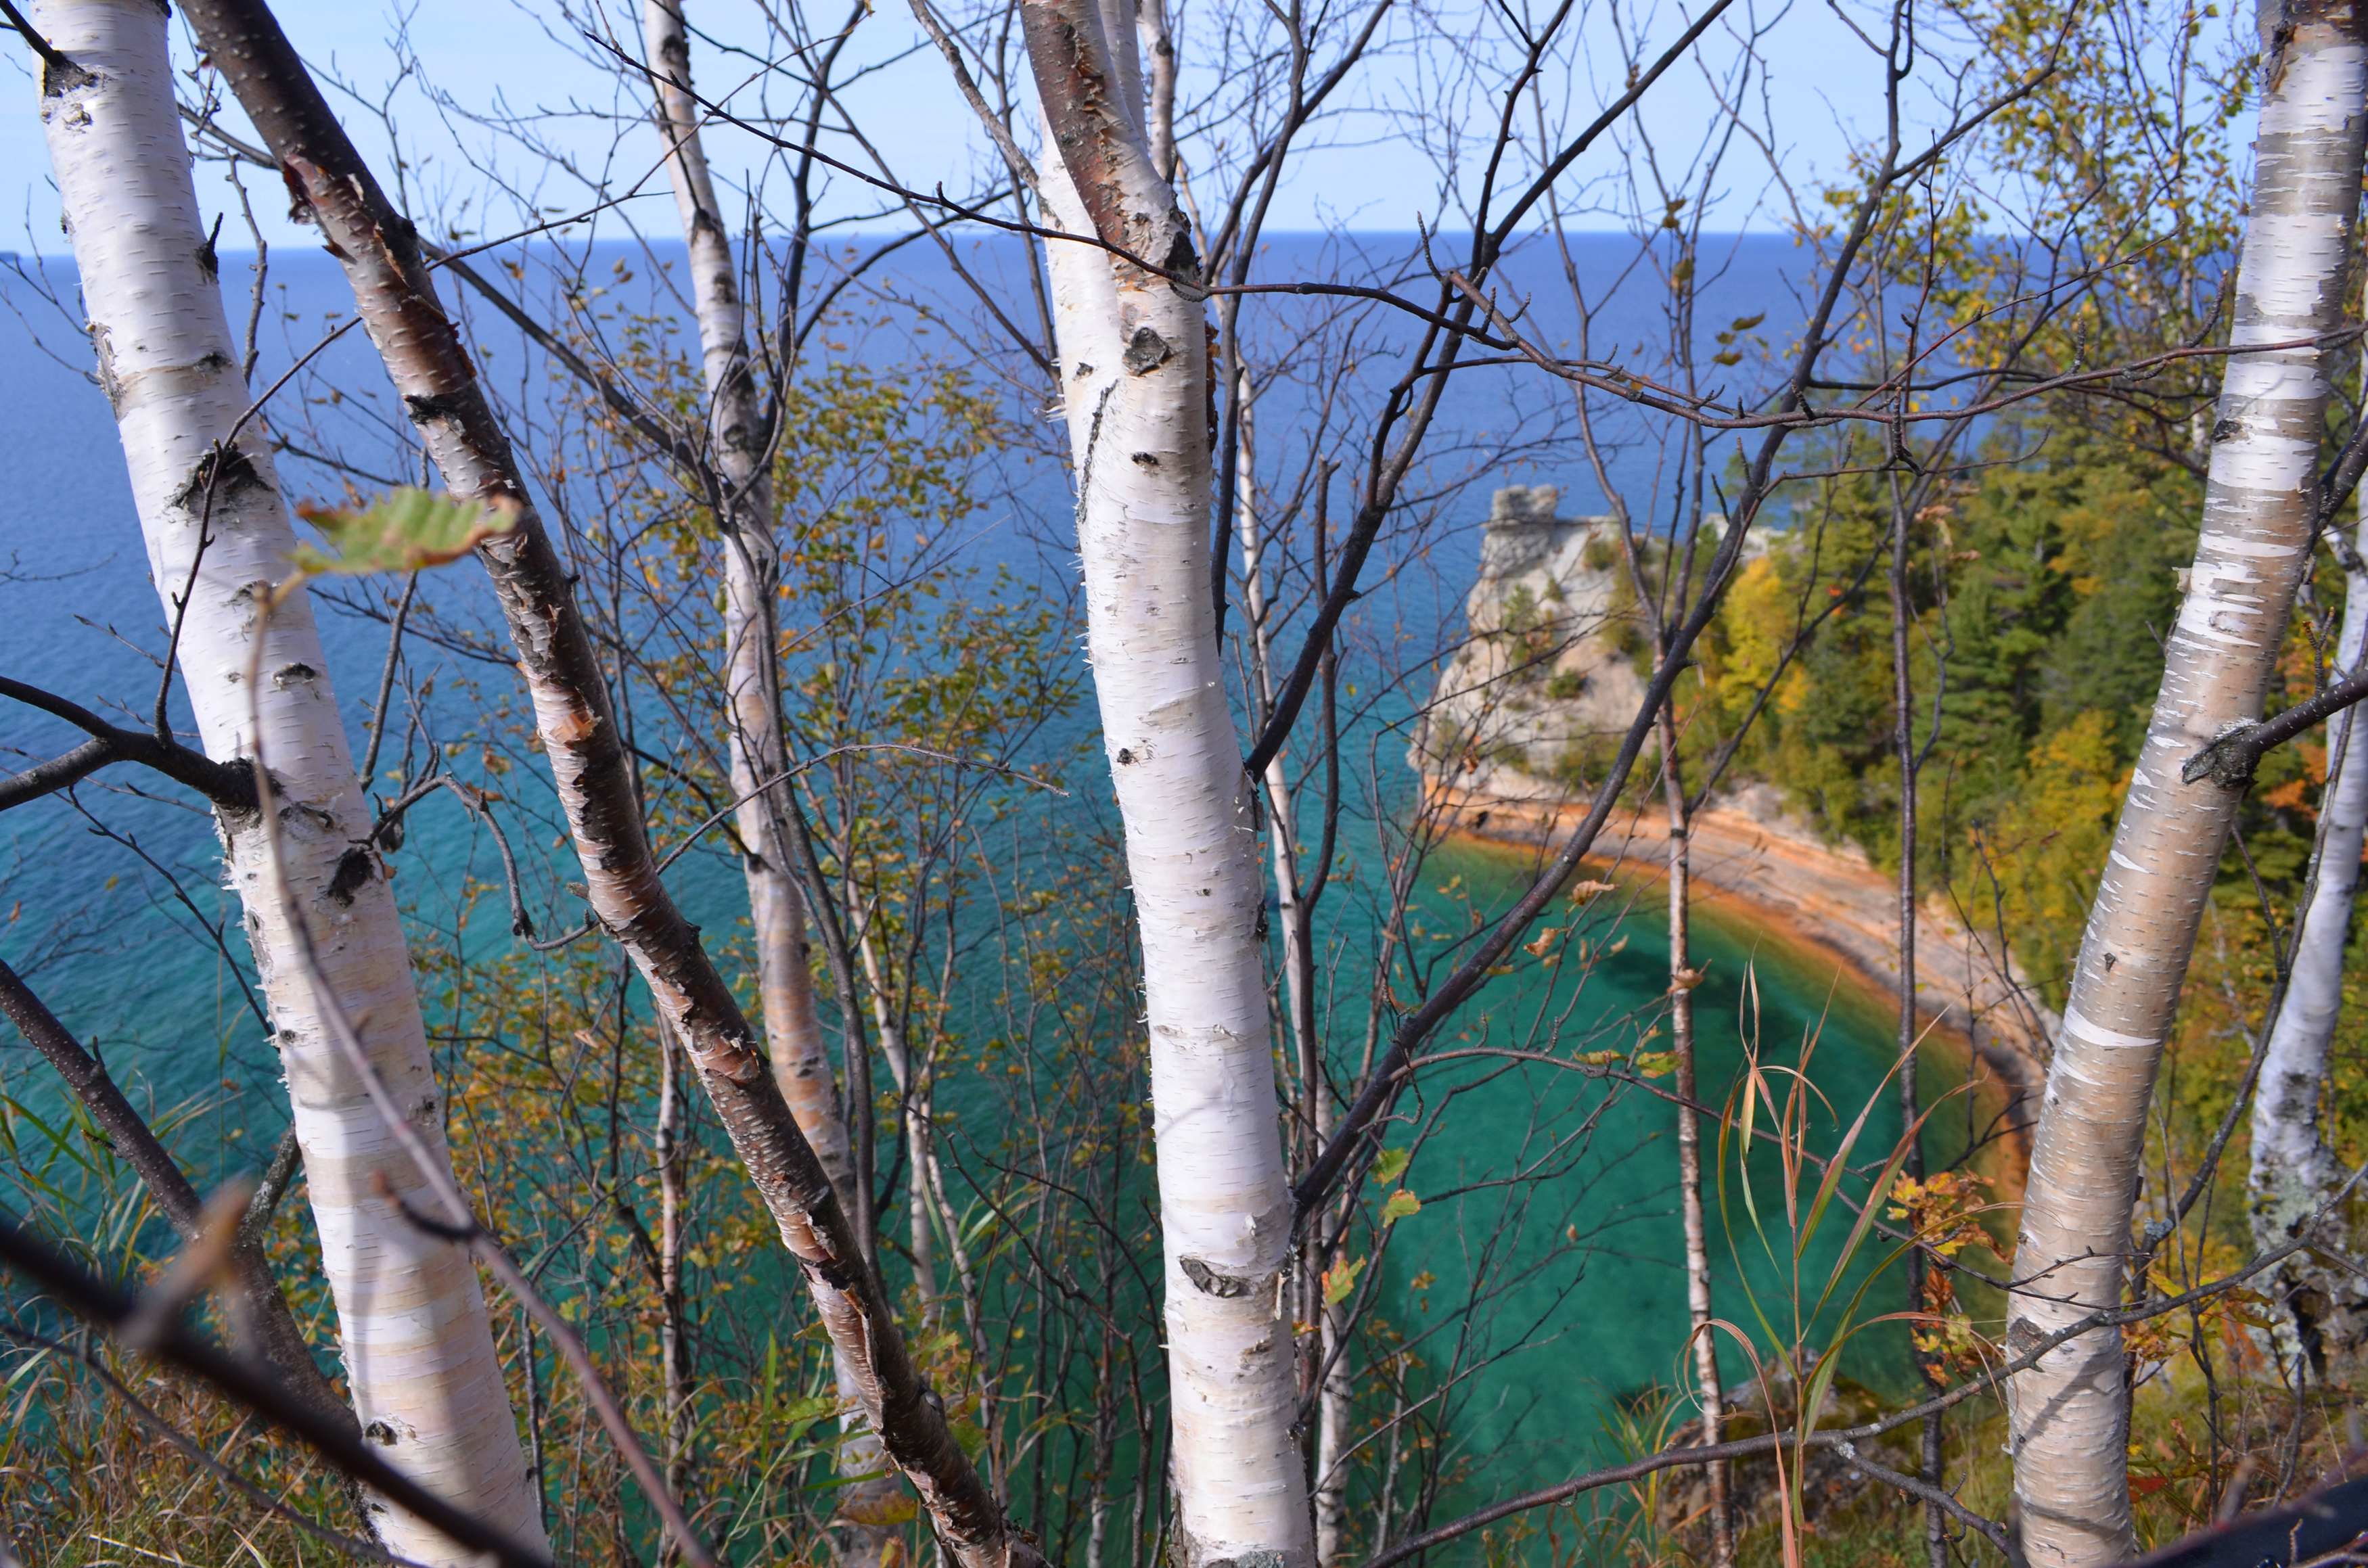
(97, 926)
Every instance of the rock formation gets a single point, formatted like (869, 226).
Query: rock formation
(1535, 702)
(1532, 706)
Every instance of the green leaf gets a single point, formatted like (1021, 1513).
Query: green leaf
(800, 1416)
(402, 530)
(1400, 1204)
(1656, 1063)
(1341, 1279)
(969, 1434)
(1390, 1164)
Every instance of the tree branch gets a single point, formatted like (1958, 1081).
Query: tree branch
(50, 58)
(671, 443)
(268, 1316)
(111, 1308)
(229, 785)
(2229, 758)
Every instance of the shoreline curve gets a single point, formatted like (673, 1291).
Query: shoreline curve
(1755, 863)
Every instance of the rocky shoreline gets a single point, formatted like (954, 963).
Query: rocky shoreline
(1768, 869)
(1525, 715)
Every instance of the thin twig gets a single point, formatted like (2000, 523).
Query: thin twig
(386, 682)
(1991, 1531)
(796, 768)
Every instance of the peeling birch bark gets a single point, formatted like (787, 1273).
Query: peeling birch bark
(432, 372)
(752, 706)
(418, 1350)
(2295, 1171)
(1134, 373)
(2070, 1414)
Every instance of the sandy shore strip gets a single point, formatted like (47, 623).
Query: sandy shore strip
(1762, 868)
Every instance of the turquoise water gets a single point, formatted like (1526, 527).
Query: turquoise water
(1597, 1313)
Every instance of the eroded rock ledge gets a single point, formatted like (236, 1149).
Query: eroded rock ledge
(1548, 680)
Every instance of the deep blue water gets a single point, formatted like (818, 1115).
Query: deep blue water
(78, 616)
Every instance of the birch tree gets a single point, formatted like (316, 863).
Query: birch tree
(418, 1351)
(576, 723)
(740, 453)
(2070, 1412)
(2295, 1172)
(1134, 367)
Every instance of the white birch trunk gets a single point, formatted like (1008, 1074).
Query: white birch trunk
(751, 567)
(1280, 831)
(1329, 1473)
(1158, 50)
(2294, 1170)
(752, 707)
(2070, 1413)
(1708, 1391)
(1134, 371)
(1333, 1438)
(911, 1091)
(667, 1154)
(418, 1351)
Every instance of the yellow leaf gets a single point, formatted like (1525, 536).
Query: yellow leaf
(1341, 1279)
(1400, 1204)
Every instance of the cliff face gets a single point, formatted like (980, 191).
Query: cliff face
(1528, 711)
(1535, 702)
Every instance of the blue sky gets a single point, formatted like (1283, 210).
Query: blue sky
(484, 55)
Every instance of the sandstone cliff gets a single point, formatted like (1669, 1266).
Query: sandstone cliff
(1530, 707)
(1533, 702)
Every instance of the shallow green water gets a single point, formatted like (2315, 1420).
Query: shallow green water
(1596, 1310)
(1553, 1187)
